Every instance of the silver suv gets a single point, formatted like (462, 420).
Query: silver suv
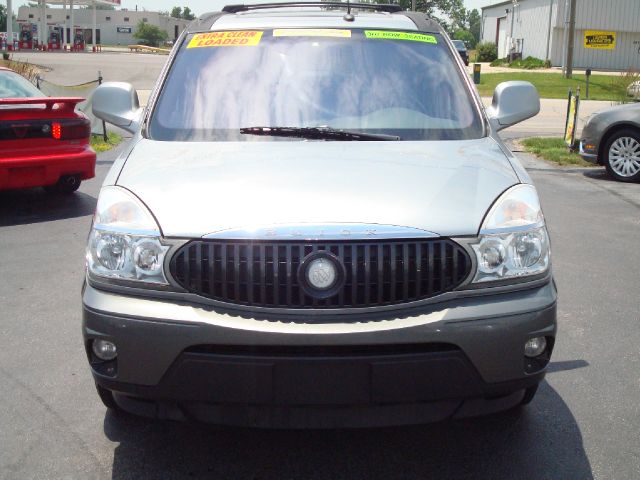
(316, 225)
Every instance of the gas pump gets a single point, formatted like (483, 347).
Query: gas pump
(78, 40)
(25, 41)
(55, 38)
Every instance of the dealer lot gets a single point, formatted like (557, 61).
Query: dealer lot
(583, 423)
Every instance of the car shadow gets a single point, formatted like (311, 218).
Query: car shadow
(599, 174)
(541, 440)
(20, 207)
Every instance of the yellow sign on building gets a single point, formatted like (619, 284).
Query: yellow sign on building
(600, 40)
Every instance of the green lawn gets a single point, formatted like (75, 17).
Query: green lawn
(99, 145)
(554, 150)
(554, 85)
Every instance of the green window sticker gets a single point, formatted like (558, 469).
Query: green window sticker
(413, 37)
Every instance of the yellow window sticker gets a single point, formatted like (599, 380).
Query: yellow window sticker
(311, 32)
(225, 39)
(387, 35)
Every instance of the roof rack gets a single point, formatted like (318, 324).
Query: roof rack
(260, 6)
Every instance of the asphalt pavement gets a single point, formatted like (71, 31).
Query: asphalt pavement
(583, 423)
(141, 70)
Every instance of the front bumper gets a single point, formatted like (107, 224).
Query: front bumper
(459, 358)
(589, 150)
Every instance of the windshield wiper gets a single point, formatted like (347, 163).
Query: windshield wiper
(316, 133)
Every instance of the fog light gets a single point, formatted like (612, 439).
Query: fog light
(104, 349)
(535, 347)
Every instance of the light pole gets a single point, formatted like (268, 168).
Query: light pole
(9, 24)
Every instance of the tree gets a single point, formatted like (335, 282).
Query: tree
(3, 18)
(187, 15)
(468, 21)
(466, 37)
(444, 11)
(474, 20)
(150, 34)
(176, 12)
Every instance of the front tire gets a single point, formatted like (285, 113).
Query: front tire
(622, 155)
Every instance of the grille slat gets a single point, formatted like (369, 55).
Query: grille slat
(262, 274)
(223, 266)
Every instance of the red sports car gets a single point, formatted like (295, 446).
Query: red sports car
(44, 142)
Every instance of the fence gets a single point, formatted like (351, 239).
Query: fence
(84, 90)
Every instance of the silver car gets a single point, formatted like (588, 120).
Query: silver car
(612, 138)
(316, 225)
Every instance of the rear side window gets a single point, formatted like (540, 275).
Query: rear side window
(372, 81)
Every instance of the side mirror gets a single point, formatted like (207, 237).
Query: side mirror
(117, 103)
(512, 103)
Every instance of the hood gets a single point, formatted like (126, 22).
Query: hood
(195, 189)
(630, 109)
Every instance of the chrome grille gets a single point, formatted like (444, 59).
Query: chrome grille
(265, 274)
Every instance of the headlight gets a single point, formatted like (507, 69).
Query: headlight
(513, 240)
(125, 242)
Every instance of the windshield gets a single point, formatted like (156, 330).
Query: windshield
(13, 85)
(404, 84)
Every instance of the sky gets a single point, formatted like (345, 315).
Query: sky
(202, 6)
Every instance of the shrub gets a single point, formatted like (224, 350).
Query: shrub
(499, 62)
(5, 56)
(528, 63)
(146, 32)
(487, 51)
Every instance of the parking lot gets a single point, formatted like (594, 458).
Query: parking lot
(583, 423)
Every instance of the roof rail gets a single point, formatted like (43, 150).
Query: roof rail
(365, 6)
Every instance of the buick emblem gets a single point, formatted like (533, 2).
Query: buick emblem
(321, 273)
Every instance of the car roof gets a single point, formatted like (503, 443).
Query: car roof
(313, 14)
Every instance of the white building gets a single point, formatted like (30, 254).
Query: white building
(607, 32)
(113, 27)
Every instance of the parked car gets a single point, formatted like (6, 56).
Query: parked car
(44, 141)
(612, 138)
(462, 50)
(316, 225)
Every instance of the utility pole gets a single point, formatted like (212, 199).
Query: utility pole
(413, 5)
(572, 31)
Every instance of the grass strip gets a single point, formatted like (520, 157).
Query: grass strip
(99, 145)
(554, 150)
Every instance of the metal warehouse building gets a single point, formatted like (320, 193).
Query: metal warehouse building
(607, 32)
(113, 27)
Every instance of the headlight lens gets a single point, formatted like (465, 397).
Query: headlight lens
(125, 241)
(513, 241)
